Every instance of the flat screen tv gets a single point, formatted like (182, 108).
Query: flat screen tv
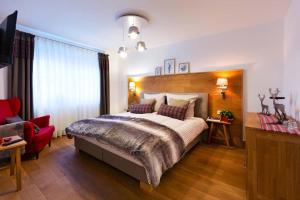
(7, 35)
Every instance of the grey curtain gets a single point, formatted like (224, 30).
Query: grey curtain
(20, 73)
(104, 83)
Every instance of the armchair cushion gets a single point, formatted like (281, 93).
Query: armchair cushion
(42, 122)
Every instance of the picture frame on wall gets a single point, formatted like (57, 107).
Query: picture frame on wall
(183, 68)
(169, 66)
(158, 71)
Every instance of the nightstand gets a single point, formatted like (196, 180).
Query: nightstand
(221, 126)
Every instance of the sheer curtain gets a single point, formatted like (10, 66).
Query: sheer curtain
(66, 82)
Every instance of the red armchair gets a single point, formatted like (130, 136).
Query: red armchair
(35, 142)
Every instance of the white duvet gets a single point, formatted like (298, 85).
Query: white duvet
(188, 129)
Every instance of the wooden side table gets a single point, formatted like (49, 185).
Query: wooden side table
(15, 162)
(214, 126)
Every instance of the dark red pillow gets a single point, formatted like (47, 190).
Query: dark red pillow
(141, 108)
(173, 111)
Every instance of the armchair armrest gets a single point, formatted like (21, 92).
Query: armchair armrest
(28, 132)
(41, 121)
(12, 129)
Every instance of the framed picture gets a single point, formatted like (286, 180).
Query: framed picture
(158, 71)
(169, 66)
(183, 68)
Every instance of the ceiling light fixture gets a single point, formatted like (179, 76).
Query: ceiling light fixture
(133, 32)
(122, 52)
(141, 46)
(133, 23)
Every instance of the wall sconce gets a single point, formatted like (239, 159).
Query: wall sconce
(132, 87)
(222, 84)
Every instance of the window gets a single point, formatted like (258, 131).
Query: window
(66, 82)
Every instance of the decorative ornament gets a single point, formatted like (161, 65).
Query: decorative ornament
(279, 108)
(264, 108)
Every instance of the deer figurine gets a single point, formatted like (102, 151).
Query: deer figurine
(264, 108)
(279, 108)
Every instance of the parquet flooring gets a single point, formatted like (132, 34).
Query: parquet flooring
(208, 172)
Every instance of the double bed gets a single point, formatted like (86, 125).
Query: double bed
(189, 131)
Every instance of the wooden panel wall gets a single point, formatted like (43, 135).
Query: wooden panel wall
(200, 82)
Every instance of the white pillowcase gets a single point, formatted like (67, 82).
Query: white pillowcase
(181, 96)
(159, 97)
(191, 97)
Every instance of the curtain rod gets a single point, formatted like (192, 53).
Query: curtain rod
(56, 38)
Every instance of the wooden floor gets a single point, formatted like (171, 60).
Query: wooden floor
(207, 172)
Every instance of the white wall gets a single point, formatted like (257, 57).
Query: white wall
(292, 59)
(258, 50)
(3, 83)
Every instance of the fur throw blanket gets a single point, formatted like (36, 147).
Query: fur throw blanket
(156, 146)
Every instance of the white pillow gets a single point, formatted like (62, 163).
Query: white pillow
(159, 97)
(190, 112)
(181, 96)
(191, 97)
(154, 95)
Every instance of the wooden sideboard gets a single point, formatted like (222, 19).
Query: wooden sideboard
(273, 163)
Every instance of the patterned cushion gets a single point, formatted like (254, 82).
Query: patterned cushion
(173, 111)
(141, 108)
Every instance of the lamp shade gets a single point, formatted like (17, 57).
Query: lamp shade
(222, 82)
(132, 86)
(122, 52)
(133, 32)
(141, 46)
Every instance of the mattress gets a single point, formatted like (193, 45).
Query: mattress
(188, 130)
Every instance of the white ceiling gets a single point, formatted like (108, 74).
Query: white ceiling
(93, 22)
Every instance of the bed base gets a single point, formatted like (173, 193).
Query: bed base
(127, 166)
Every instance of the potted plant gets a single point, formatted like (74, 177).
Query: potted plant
(226, 116)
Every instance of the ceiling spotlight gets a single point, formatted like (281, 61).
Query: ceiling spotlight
(141, 46)
(133, 32)
(122, 52)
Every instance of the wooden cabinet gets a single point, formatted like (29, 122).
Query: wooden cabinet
(273, 163)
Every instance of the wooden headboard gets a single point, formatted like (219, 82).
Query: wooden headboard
(204, 82)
